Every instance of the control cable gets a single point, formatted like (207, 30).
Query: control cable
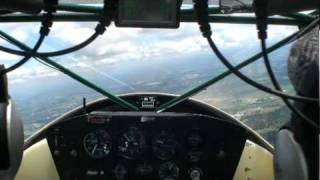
(262, 26)
(46, 24)
(201, 8)
(99, 30)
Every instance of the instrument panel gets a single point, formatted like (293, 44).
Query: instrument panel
(145, 145)
(97, 143)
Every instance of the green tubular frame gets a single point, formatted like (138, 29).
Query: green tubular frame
(81, 17)
(91, 13)
(219, 77)
(73, 75)
(78, 12)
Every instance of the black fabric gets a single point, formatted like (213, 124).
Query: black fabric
(4, 150)
(307, 136)
(3, 87)
(304, 74)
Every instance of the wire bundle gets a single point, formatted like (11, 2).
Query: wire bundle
(44, 31)
(201, 8)
(47, 21)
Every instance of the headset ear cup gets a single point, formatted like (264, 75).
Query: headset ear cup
(3, 87)
(4, 148)
(289, 159)
(11, 134)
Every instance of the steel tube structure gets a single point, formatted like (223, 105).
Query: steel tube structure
(246, 62)
(91, 13)
(74, 75)
(65, 17)
(165, 105)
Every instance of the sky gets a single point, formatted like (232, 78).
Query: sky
(125, 45)
(117, 52)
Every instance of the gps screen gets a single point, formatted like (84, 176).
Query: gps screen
(146, 13)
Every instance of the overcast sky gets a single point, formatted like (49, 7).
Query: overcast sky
(126, 44)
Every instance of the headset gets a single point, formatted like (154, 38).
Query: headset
(11, 134)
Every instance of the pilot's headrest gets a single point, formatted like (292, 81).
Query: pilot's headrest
(11, 134)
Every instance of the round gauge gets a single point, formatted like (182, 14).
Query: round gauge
(97, 143)
(131, 143)
(164, 145)
(168, 170)
(195, 139)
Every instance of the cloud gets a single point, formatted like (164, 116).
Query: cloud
(134, 44)
(24, 32)
(70, 33)
(28, 73)
(6, 58)
(17, 81)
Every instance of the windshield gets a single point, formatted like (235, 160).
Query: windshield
(128, 60)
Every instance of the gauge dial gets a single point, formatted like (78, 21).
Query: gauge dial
(168, 171)
(195, 139)
(97, 143)
(164, 145)
(131, 143)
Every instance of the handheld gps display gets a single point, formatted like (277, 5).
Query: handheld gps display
(146, 13)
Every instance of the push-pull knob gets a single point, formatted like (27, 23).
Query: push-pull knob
(195, 174)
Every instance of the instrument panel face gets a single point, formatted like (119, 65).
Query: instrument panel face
(140, 146)
(97, 143)
(131, 143)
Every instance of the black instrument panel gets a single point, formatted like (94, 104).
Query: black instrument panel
(145, 145)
